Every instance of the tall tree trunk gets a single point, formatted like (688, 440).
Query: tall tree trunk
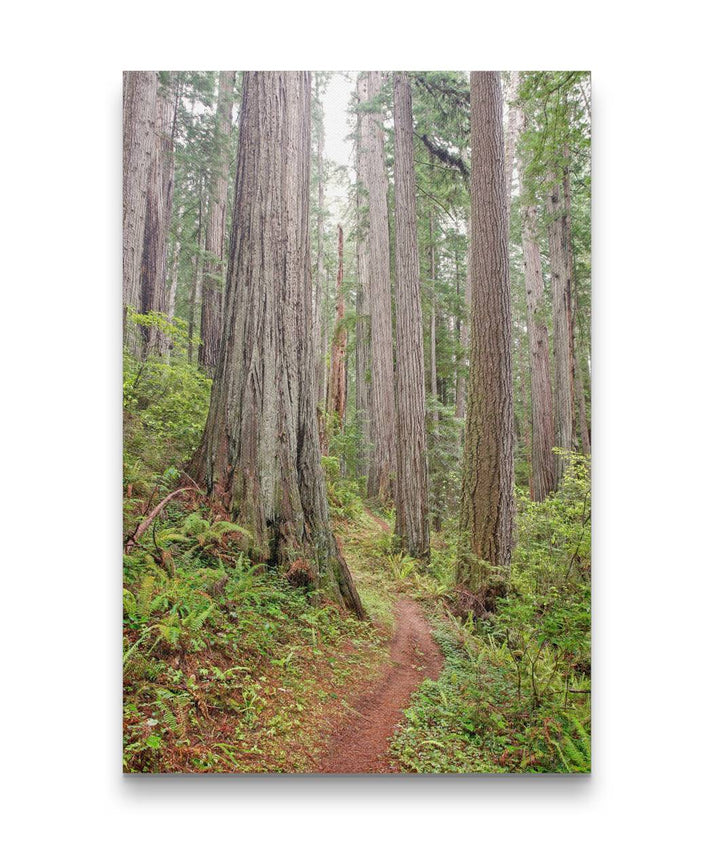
(433, 332)
(381, 472)
(578, 386)
(161, 182)
(213, 266)
(562, 321)
(543, 470)
(260, 452)
(139, 96)
(411, 495)
(525, 432)
(318, 321)
(362, 307)
(338, 388)
(177, 246)
(487, 491)
(514, 120)
(543, 463)
(460, 391)
(196, 280)
(435, 438)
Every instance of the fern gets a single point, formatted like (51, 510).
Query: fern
(145, 596)
(129, 604)
(574, 748)
(195, 620)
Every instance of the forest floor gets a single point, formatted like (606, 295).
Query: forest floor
(227, 668)
(363, 744)
(271, 684)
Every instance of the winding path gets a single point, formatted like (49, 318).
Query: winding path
(362, 744)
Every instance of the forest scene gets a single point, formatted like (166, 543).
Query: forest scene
(356, 313)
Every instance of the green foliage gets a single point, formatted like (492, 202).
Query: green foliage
(514, 693)
(343, 493)
(175, 330)
(204, 630)
(444, 461)
(165, 407)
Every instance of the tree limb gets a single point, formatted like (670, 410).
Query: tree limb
(143, 527)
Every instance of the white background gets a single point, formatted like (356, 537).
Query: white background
(655, 284)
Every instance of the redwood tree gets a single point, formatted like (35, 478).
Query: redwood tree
(213, 265)
(139, 96)
(487, 491)
(411, 493)
(260, 452)
(542, 479)
(337, 390)
(362, 289)
(159, 202)
(381, 470)
(581, 429)
(561, 277)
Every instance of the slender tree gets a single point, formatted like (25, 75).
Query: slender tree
(432, 369)
(139, 96)
(161, 181)
(213, 264)
(337, 390)
(260, 452)
(362, 291)
(196, 280)
(460, 381)
(561, 277)
(411, 495)
(175, 268)
(542, 479)
(319, 326)
(382, 465)
(578, 385)
(513, 129)
(487, 492)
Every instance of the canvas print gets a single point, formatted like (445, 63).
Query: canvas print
(356, 417)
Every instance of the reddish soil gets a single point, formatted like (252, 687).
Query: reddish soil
(383, 524)
(362, 744)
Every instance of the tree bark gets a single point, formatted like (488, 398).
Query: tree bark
(487, 491)
(435, 438)
(260, 453)
(433, 331)
(161, 182)
(411, 495)
(578, 387)
(362, 307)
(381, 472)
(338, 389)
(561, 277)
(196, 281)
(172, 292)
(213, 265)
(460, 391)
(139, 96)
(514, 120)
(318, 321)
(543, 469)
(543, 464)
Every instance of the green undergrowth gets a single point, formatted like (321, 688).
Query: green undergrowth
(514, 694)
(226, 666)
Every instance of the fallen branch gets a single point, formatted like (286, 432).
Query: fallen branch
(145, 524)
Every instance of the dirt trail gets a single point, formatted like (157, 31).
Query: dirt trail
(362, 745)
